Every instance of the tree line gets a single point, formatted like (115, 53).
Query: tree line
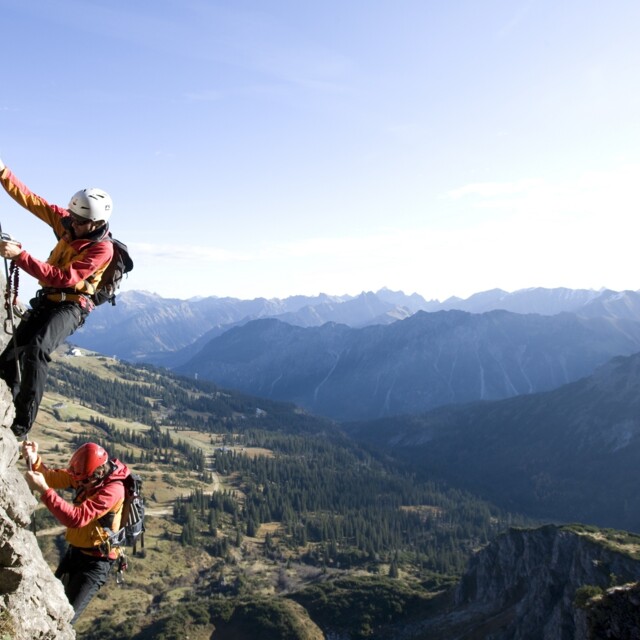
(336, 503)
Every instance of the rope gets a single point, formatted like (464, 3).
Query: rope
(34, 525)
(11, 291)
(13, 279)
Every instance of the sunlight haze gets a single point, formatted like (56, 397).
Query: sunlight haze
(276, 148)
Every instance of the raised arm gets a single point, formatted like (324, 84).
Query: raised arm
(50, 213)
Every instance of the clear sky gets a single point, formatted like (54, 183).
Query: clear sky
(280, 147)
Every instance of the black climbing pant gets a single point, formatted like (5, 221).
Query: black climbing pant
(82, 576)
(47, 326)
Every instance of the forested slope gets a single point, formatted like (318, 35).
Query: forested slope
(252, 499)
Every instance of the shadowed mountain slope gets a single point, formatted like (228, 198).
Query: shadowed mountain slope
(525, 584)
(422, 362)
(571, 454)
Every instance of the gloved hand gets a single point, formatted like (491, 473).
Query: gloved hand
(1, 164)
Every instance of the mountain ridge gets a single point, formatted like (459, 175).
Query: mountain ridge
(412, 365)
(146, 327)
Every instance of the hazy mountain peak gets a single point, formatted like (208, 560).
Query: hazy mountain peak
(146, 326)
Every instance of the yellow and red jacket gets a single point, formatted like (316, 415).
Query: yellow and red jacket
(95, 513)
(76, 264)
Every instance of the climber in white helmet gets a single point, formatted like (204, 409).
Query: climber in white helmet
(68, 278)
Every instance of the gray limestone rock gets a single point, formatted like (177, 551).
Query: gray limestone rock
(33, 605)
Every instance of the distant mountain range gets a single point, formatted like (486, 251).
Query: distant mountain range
(165, 331)
(375, 354)
(422, 362)
(570, 454)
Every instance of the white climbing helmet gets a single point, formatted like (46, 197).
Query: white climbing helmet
(92, 204)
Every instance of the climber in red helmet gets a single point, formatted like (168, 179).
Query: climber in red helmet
(91, 519)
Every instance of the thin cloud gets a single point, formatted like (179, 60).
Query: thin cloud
(187, 253)
(495, 189)
(613, 191)
(389, 243)
(217, 95)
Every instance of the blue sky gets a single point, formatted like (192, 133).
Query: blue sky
(273, 148)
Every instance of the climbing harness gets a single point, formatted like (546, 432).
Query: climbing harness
(12, 275)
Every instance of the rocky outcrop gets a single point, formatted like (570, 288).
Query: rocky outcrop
(530, 579)
(523, 586)
(615, 615)
(32, 601)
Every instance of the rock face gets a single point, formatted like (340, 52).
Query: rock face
(523, 586)
(615, 615)
(32, 601)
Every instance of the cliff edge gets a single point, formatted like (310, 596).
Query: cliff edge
(526, 583)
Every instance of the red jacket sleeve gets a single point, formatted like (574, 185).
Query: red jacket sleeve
(88, 262)
(94, 507)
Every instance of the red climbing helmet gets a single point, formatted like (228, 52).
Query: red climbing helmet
(86, 460)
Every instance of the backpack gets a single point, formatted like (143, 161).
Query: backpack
(132, 521)
(120, 264)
